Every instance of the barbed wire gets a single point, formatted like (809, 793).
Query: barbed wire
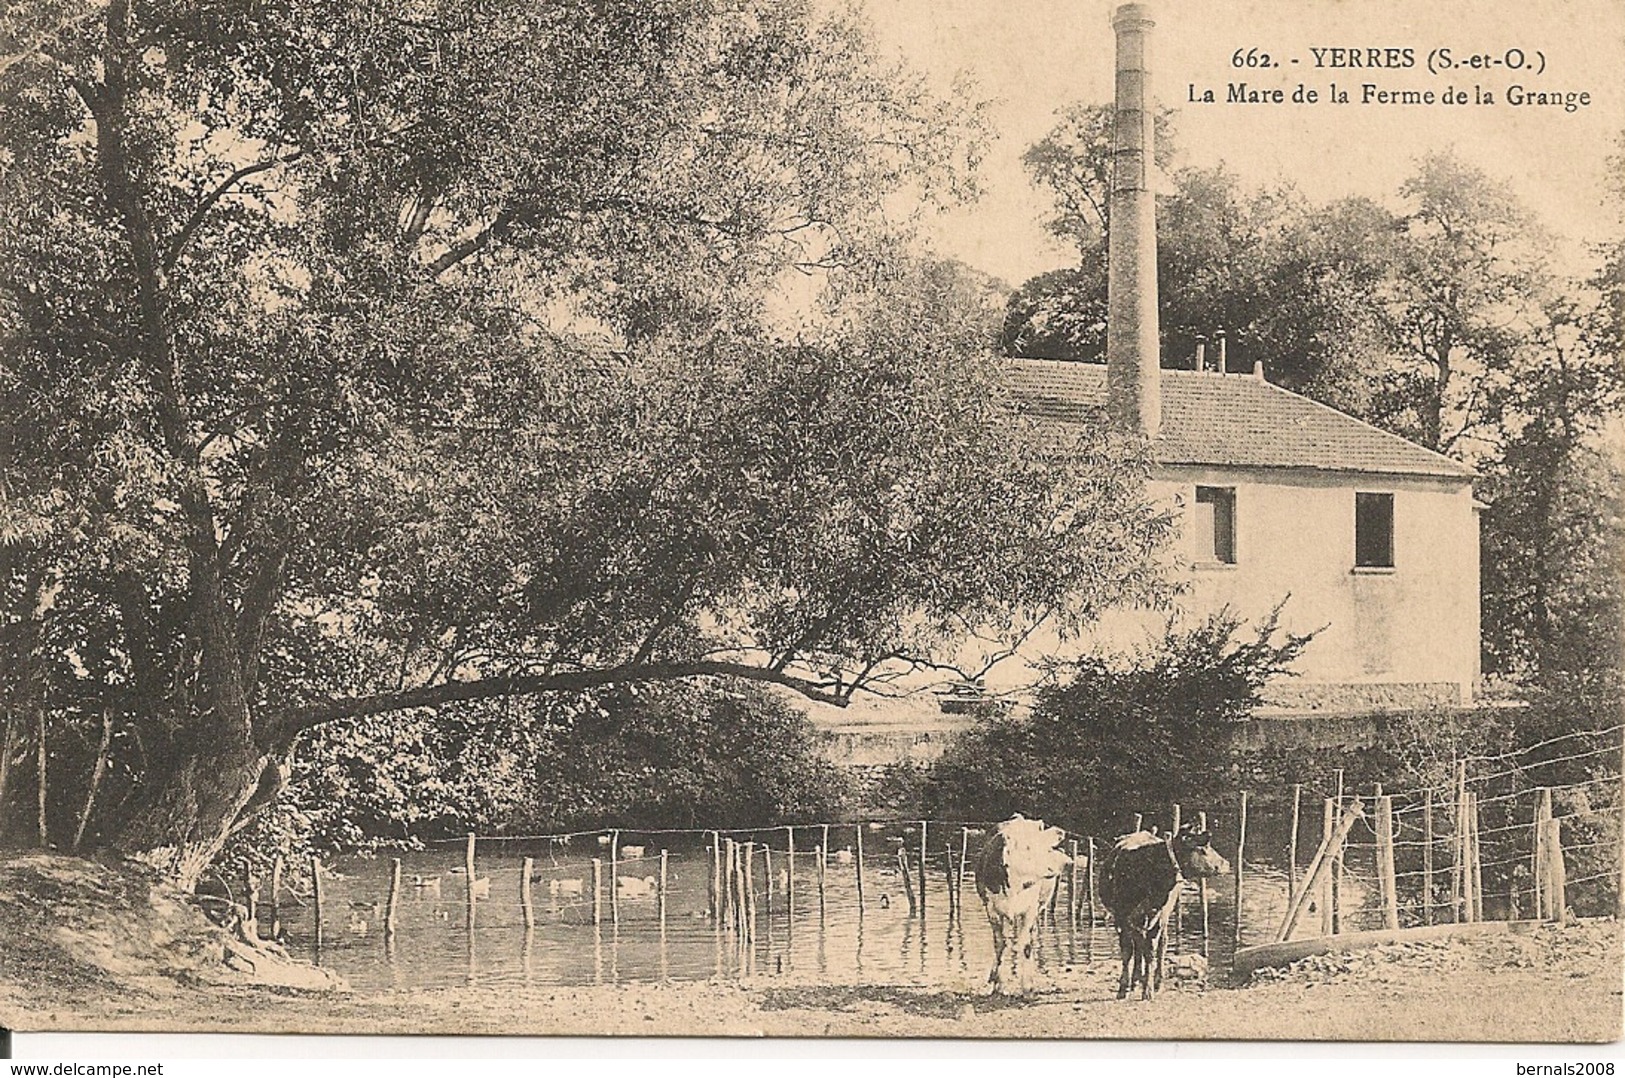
(1525, 750)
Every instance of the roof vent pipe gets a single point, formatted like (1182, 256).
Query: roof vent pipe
(1258, 369)
(1224, 354)
(1201, 354)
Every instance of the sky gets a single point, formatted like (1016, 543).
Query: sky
(1032, 57)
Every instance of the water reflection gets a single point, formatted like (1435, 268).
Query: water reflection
(670, 935)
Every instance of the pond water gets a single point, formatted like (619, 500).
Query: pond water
(798, 937)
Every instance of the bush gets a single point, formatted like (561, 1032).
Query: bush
(715, 755)
(1124, 733)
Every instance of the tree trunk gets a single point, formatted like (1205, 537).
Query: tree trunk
(186, 813)
(39, 777)
(191, 800)
(6, 750)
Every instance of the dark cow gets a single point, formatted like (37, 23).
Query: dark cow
(1016, 873)
(1139, 884)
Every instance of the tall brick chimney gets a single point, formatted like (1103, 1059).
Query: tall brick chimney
(1133, 374)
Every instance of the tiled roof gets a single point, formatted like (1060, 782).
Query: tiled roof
(1232, 420)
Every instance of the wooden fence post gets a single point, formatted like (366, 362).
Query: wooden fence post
(1556, 885)
(1385, 861)
(964, 852)
(1543, 812)
(818, 867)
(858, 861)
(1179, 894)
(251, 896)
(525, 907)
(1089, 879)
(923, 857)
(743, 902)
(1072, 898)
(728, 910)
(908, 878)
(394, 902)
(1328, 822)
(468, 867)
(790, 873)
(1202, 888)
(1337, 862)
(316, 895)
(1241, 853)
(615, 877)
(1292, 845)
(1458, 846)
(276, 896)
(750, 890)
(725, 882)
(1619, 884)
(597, 890)
(661, 893)
(1478, 858)
(1427, 856)
(1468, 897)
(1319, 869)
(718, 899)
(823, 864)
(767, 884)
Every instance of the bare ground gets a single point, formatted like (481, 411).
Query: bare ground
(1560, 985)
(99, 946)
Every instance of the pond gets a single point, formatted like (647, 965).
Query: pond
(799, 936)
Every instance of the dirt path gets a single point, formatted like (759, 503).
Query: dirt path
(1554, 986)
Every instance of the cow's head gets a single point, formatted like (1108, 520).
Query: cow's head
(1032, 849)
(1193, 849)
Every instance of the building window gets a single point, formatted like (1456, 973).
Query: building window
(1216, 525)
(1374, 531)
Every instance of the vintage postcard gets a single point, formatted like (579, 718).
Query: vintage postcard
(910, 518)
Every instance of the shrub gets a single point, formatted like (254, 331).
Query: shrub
(1124, 732)
(716, 754)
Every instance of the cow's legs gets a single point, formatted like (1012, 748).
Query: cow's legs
(1153, 964)
(995, 976)
(1125, 949)
(1143, 961)
(1024, 957)
(1162, 950)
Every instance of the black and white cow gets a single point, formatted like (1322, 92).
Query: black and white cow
(1140, 881)
(1016, 873)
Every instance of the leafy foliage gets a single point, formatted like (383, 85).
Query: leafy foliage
(1122, 732)
(365, 357)
(1291, 285)
(672, 755)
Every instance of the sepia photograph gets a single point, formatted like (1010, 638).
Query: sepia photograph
(1052, 519)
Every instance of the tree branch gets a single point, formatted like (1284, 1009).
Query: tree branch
(472, 245)
(201, 210)
(493, 688)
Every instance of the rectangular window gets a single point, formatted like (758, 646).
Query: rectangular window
(1374, 531)
(1216, 524)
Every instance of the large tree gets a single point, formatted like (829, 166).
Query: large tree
(1291, 285)
(300, 422)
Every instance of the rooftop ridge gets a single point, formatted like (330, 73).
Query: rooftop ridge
(1235, 420)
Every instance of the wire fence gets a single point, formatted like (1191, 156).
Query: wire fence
(1533, 834)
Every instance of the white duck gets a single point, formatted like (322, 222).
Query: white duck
(634, 887)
